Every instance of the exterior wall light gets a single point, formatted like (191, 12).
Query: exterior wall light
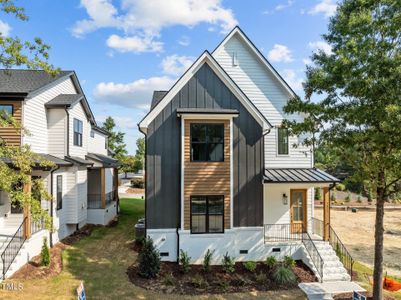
(285, 199)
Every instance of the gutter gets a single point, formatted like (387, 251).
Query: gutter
(51, 205)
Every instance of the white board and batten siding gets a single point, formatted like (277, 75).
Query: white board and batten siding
(57, 131)
(35, 119)
(267, 94)
(77, 112)
(97, 143)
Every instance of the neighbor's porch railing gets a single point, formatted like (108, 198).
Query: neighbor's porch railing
(37, 226)
(95, 200)
(295, 232)
(13, 247)
(337, 245)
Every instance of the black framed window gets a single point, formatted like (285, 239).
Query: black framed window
(6, 110)
(207, 142)
(207, 214)
(78, 129)
(282, 141)
(59, 192)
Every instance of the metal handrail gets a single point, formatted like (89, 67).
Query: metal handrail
(37, 226)
(12, 249)
(313, 253)
(282, 232)
(341, 251)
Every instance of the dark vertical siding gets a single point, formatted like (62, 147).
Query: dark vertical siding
(204, 90)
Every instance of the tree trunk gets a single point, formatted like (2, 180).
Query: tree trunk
(379, 233)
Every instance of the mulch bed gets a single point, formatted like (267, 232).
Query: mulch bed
(135, 191)
(197, 281)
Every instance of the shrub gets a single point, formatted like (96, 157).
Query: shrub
(289, 262)
(348, 197)
(138, 183)
(261, 278)
(340, 187)
(149, 260)
(333, 197)
(250, 266)
(238, 280)
(184, 261)
(198, 281)
(271, 262)
(207, 259)
(45, 254)
(284, 276)
(359, 199)
(318, 194)
(370, 196)
(228, 263)
(169, 279)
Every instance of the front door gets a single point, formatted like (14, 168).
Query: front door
(298, 211)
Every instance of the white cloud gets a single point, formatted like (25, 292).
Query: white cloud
(136, 94)
(280, 53)
(5, 29)
(134, 44)
(292, 79)
(176, 65)
(327, 7)
(320, 45)
(307, 61)
(122, 123)
(146, 18)
(284, 5)
(184, 41)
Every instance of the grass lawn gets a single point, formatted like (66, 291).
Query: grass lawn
(101, 261)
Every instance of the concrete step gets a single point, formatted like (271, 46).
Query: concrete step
(336, 277)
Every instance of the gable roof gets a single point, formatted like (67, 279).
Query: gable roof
(206, 57)
(157, 97)
(64, 100)
(26, 81)
(238, 31)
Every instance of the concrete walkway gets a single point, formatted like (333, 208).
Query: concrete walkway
(327, 290)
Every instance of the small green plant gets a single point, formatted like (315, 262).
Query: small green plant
(359, 199)
(149, 260)
(284, 276)
(238, 280)
(199, 282)
(318, 194)
(348, 197)
(271, 262)
(45, 254)
(333, 196)
(184, 261)
(288, 262)
(261, 278)
(228, 263)
(169, 279)
(370, 196)
(207, 259)
(250, 266)
(340, 187)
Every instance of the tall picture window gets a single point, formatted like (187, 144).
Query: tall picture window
(282, 141)
(78, 129)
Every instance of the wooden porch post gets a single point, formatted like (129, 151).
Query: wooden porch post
(115, 187)
(326, 213)
(27, 211)
(102, 188)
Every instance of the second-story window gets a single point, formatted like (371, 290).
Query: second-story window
(78, 129)
(282, 141)
(207, 142)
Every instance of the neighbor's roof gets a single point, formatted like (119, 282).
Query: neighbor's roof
(298, 175)
(26, 81)
(101, 130)
(47, 157)
(78, 161)
(106, 161)
(157, 97)
(64, 100)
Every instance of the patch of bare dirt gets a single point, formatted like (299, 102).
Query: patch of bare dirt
(198, 282)
(80, 234)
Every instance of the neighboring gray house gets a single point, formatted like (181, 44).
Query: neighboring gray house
(221, 172)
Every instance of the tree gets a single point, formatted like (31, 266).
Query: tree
(359, 111)
(115, 141)
(140, 154)
(17, 162)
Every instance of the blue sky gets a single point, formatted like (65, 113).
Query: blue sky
(124, 49)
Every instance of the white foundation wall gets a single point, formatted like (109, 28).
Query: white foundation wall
(274, 211)
(233, 241)
(102, 216)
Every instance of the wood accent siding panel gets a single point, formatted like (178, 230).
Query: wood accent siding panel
(163, 155)
(206, 178)
(9, 134)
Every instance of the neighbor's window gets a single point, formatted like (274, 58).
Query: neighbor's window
(92, 134)
(77, 132)
(59, 192)
(207, 142)
(282, 141)
(207, 214)
(6, 110)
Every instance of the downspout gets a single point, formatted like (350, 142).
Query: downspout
(68, 131)
(51, 206)
(146, 174)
